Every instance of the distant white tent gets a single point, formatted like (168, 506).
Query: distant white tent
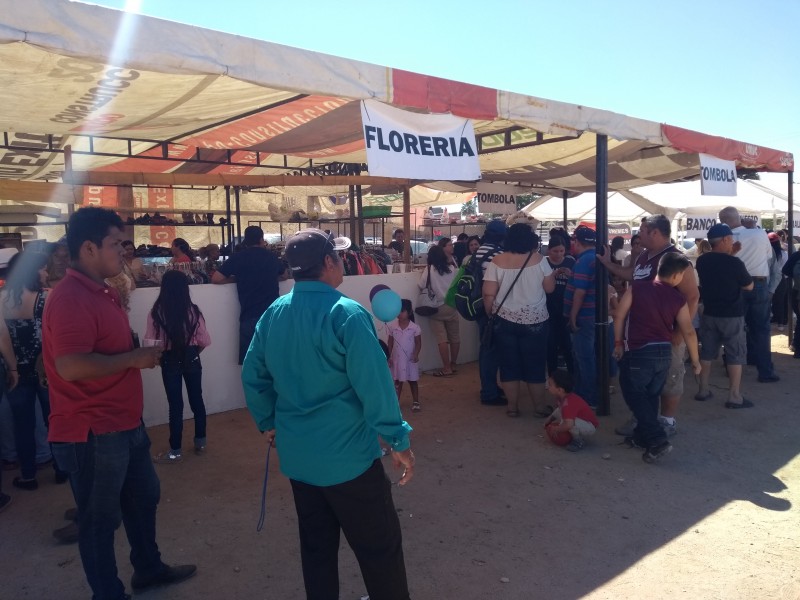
(622, 206)
(751, 197)
(671, 199)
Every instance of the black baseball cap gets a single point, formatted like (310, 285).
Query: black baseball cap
(306, 248)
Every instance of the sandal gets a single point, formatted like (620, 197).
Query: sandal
(441, 373)
(513, 413)
(703, 397)
(543, 412)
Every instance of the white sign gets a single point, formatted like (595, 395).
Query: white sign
(498, 198)
(717, 176)
(418, 146)
(698, 223)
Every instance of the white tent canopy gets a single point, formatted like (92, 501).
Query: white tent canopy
(751, 197)
(583, 206)
(670, 199)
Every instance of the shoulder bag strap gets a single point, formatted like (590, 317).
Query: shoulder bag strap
(525, 264)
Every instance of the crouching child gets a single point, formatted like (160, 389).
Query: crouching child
(573, 420)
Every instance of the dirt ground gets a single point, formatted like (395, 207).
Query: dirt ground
(494, 511)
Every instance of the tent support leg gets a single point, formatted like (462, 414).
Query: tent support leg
(353, 227)
(564, 195)
(228, 225)
(236, 192)
(790, 214)
(601, 279)
(407, 224)
(359, 206)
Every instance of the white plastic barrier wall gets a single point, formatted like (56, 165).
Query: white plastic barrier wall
(222, 389)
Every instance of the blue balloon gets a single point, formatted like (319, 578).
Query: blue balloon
(386, 305)
(377, 289)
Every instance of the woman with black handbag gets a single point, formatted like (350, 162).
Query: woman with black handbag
(434, 283)
(515, 288)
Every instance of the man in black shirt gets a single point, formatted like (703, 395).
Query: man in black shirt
(723, 277)
(256, 271)
(398, 242)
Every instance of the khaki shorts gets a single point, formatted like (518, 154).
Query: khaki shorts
(677, 369)
(444, 325)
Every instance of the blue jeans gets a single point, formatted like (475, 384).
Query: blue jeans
(756, 319)
(247, 329)
(113, 481)
(643, 373)
(559, 340)
(522, 349)
(22, 400)
(190, 370)
(585, 361)
(487, 365)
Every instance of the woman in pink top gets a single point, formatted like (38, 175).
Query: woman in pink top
(177, 323)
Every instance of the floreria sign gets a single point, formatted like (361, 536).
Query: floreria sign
(717, 176)
(404, 144)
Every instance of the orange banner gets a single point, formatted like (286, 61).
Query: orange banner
(159, 199)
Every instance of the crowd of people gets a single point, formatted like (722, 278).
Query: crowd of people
(662, 311)
(69, 353)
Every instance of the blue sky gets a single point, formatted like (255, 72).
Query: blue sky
(726, 68)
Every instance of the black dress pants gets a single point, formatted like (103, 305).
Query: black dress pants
(363, 509)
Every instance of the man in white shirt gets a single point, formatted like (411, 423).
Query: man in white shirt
(752, 247)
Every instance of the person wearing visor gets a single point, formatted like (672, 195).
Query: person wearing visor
(316, 382)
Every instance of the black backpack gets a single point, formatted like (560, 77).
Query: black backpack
(469, 288)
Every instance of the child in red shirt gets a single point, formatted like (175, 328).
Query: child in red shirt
(573, 419)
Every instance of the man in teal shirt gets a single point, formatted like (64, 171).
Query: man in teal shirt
(316, 381)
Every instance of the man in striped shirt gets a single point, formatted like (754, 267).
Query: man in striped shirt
(579, 301)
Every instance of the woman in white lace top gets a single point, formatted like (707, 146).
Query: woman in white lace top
(520, 315)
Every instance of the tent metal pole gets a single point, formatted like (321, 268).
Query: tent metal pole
(790, 240)
(407, 224)
(359, 207)
(353, 227)
(228, 224)
(564, 195)
(236, 192)
(601, 278)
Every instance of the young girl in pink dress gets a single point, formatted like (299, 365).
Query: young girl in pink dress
(405, 343)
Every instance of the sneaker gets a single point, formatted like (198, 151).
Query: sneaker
(167, 458)
(575, 445)
(167, 576)
(654, 453)
(416, 407)
(25, 484)
(626, 430)
(769, 379)
(669, 428)
(200, 450)
(67, 534)
(631, 443)
(5, 500)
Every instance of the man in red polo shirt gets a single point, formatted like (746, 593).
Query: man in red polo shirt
(96, 425)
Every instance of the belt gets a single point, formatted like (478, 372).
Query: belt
(759, 279)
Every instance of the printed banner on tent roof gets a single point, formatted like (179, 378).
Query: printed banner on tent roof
(417, 146)
(699, 222)
(717, 176)
(498, 198)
